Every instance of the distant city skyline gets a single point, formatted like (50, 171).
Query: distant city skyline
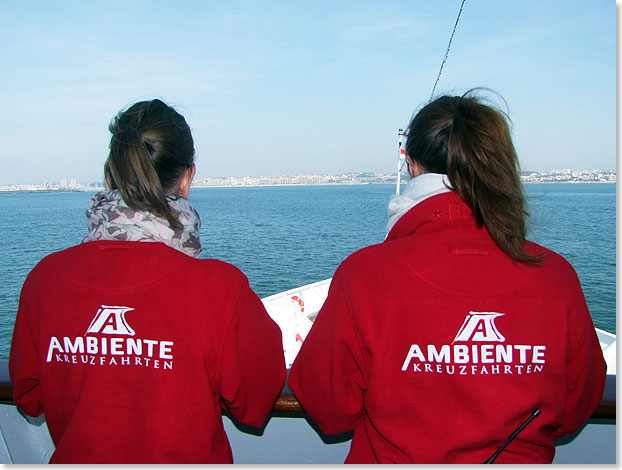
(561, 175)
(277, 87)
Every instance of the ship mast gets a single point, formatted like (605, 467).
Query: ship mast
(401, 159)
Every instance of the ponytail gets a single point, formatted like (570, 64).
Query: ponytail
(151, 146)
(471, 143)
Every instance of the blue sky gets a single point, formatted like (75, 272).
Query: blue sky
(286, 87)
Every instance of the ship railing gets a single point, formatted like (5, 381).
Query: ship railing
(287, 404)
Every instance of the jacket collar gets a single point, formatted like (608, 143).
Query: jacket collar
(416, 191)
(443, 208)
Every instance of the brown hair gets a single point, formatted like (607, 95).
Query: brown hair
(150, 148)
(470, 142)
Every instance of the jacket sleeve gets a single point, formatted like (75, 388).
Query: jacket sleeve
(252, 369)
(327, 376)
(585, 365)
(24, 358)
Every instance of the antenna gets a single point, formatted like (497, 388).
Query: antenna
(533, 415)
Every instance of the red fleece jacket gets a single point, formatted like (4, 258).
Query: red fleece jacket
(131, 349)
(434, 347)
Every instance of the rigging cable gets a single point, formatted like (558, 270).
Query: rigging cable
(447, 51)
(401, 158)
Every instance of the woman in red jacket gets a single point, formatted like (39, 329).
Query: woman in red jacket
(128, 343)
(435, 345)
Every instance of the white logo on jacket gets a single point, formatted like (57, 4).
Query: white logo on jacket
(480, 326)
(119, 346)
(485, 355)
(111, 320)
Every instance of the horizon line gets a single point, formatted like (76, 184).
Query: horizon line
(283, 175)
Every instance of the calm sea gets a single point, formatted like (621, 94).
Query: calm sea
(284, 237)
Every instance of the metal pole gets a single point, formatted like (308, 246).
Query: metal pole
(401, 158)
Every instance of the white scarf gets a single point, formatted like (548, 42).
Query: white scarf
(417, 190)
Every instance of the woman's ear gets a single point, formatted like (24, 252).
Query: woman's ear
(414, 169)
(186, 180)
(411, 166)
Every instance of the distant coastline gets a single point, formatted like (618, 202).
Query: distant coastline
(44, 191)
(555, 176)
(87, 190)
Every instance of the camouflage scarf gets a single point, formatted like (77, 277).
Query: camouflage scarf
(110, 218)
